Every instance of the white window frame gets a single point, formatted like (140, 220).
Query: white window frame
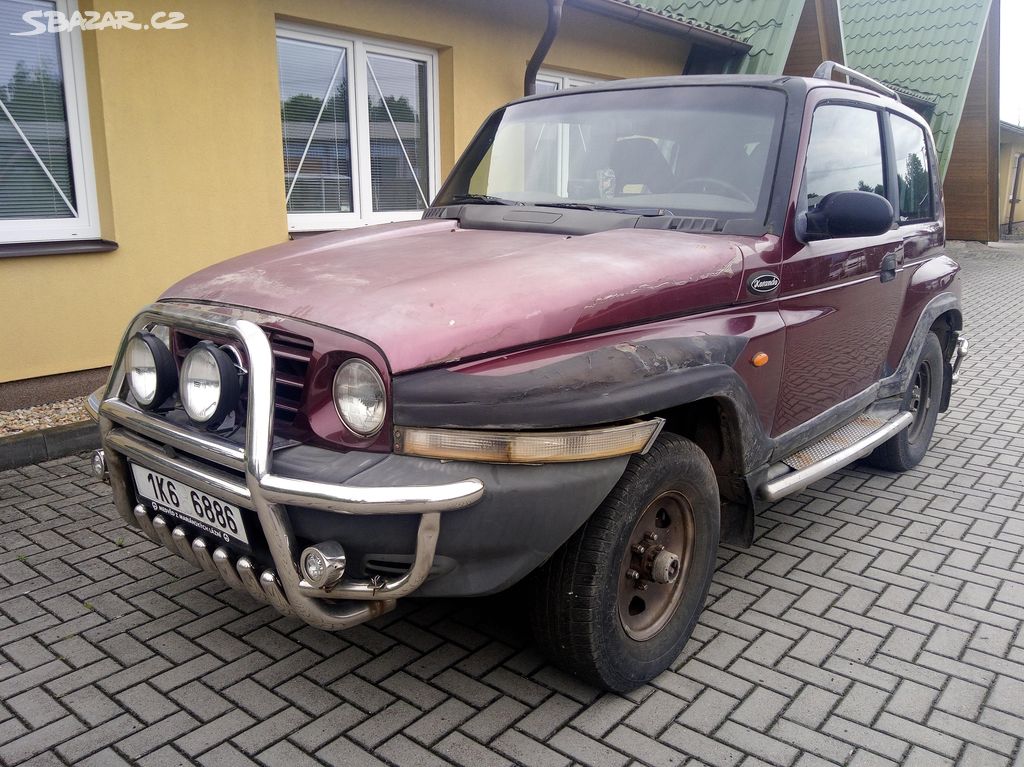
(566, 80)
(86, 225)
(357, 48)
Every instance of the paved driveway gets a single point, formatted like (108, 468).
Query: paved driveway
(876, 620)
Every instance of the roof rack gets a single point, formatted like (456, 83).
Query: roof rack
(826, 69)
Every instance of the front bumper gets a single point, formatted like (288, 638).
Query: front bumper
(242, 474)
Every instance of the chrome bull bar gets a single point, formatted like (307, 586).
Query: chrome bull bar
(129, 433)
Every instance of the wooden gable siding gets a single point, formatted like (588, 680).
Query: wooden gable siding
(818, 37)
(972, 180)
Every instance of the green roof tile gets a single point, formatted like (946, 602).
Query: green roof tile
(768, 26)
(927, 47)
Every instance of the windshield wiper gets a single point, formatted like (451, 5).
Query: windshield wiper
(608, 208)
(483, 199)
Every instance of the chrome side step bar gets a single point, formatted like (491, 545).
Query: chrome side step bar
(792, 481)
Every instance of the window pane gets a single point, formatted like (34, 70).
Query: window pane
(35, 155)
(399, 139)
(695, 151)
(915, 187)
(845, 153)
(547, 86)
(315, 127)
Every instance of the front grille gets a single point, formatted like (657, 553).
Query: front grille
(291, 363)
(292, 355)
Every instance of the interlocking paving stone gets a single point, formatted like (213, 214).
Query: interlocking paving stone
(877, 620)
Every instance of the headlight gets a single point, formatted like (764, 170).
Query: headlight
(360, 398)
(209, 384)
(150, 369)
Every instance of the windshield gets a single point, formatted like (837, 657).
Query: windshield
(704, 151)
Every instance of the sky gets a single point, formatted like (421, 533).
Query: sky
(1011, 62)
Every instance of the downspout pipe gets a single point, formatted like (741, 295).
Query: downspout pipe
(550, 32)
(1015, 194)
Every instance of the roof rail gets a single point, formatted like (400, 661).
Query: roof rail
(826, 69)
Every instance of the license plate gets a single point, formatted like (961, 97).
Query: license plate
(169, 496)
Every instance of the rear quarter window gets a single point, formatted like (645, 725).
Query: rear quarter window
(913, 172)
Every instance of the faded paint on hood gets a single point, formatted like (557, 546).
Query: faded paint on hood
(428, 292)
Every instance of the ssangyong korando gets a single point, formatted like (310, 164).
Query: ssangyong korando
(634, 315)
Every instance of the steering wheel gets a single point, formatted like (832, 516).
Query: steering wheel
(703, 182)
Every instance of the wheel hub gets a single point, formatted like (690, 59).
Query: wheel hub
(664, 567)
(654, 568)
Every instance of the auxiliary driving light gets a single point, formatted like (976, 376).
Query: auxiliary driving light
(323, 565)
(209, 386)
(152, 374)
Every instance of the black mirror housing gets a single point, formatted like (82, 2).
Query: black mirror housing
(846, 214)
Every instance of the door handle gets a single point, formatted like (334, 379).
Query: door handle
(888, 268)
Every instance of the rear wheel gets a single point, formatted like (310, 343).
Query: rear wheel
(923, 399)
(617, 602)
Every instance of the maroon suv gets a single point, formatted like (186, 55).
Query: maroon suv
(635, 315)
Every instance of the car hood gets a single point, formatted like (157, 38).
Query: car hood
(430, 292)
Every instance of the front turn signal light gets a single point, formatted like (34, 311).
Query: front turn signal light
(528, 446)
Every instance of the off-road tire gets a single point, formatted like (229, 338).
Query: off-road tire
(923, 397)
(575, 613)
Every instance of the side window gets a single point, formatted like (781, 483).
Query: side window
(912, 170)
(844, 153)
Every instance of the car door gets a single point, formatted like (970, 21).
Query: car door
(838, 297)
(919, 214)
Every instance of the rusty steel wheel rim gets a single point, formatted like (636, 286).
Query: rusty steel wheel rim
(660, 547)
(920, 400)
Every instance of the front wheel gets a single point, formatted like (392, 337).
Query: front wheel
(617, 602)
(923, 399)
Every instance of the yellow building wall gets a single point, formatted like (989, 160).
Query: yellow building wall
(187, 142)
(1009, 151)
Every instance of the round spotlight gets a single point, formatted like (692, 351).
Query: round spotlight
(323, 565)
(315, 566)
(152, 374)
(209, 386)
(359, 397)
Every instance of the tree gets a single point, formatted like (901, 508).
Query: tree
(302, 107)
(878, 188)
(915, 186)
(34, 93)
(401, 110)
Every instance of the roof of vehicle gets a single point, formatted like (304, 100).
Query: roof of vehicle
(636, 83)
(794, 85)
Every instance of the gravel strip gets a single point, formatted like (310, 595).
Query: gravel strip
(43, 416)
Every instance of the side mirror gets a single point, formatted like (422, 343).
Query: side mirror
(846, 214)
